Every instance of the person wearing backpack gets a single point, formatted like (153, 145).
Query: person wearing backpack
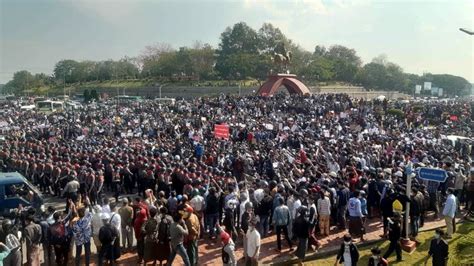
(164, 236)
(107, 236)
(33, 237)
(58, 237)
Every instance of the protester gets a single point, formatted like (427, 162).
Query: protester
(228, 250)
(82, 234)
(290, 147)
(150, 234)
(140, 219)
(126, 229)
(178, 231)
(301, 232)
(439, 250)
(394, 235)
(376, 259)
(9, 235)
(164, 236)
(348, 253)
(281, 220)
(324, 211)
(191, 242)
(60, 238)
(356, 225)
(253, 243)
(449, 212)
(33, 237)
(416, 206)
(108, 235)
(5, 251)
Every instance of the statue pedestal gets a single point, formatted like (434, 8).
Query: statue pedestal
(408, 245)
(289, 81)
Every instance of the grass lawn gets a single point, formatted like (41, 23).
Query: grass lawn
(461, 249)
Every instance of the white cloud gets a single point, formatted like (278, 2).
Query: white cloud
(111, 11)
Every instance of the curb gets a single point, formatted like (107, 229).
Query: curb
(332, 251)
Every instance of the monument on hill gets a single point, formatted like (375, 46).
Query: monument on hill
(290, 81)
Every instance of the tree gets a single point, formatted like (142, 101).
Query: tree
(64, 69)
(22, 80)
(270, 38)
(452, 85)
(238, 47)
(202, 60)
(320, 68)
(320, 50)
(346, 62)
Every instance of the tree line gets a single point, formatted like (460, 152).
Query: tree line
(243, 53)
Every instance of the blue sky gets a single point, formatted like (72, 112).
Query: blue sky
(420, 36)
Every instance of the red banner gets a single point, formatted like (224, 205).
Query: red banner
(221, 131)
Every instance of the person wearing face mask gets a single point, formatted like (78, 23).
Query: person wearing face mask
(376, 259)
(348, 253)
(253, 243)
(439, 250)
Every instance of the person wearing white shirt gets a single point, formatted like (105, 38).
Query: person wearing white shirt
(449, 212)
(253, 243)
(115, 218)
(96, 223)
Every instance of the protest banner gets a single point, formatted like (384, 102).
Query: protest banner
(221, 131)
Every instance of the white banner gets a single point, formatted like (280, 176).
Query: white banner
(440, 92)
(417, 89)
(427, 86)
(434, 91)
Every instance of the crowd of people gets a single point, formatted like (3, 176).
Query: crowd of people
(302, 167)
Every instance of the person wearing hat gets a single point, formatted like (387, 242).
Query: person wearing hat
(439, 249)
(394, 235)
(126, 224)
(253, 243)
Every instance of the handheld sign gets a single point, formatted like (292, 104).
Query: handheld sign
(221, 131)
(432, 174)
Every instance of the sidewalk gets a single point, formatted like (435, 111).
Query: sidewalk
(210, 250)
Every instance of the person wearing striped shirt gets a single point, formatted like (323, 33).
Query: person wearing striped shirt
(324, 210)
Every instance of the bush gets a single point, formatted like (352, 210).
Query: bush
(396, 112)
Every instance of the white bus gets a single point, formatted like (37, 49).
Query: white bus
(50, 106)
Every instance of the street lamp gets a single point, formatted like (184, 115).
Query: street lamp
(159, 88)
(470, 32)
